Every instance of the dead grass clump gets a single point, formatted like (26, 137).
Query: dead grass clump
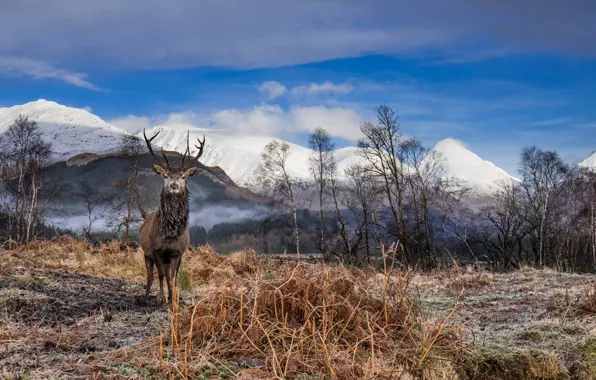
(305, 319)
(498, 362)
(588, 299)
(471, 280)
(204, 264)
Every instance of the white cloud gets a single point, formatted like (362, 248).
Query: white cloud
(183, 118)
(326, 87)
(43, 70)
(263, 119)
(87, 108)
(132, 123)
(338, 121)
(273, 89)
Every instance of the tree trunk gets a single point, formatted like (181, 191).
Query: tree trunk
(32, 206)
(295, 211)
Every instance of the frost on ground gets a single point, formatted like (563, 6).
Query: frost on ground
(70, 311)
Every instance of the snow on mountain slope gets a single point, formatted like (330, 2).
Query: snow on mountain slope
(71, 131)
(239, 155)
(590, 162)
(460, 163)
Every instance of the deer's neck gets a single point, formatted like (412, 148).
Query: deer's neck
(173, 214)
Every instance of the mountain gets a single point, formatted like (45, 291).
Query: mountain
(71, 131)
(214, 197)
(590, 162)
(74, 131)
(458, 162)
(239, 155)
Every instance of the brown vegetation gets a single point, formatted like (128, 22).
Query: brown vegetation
(71, 311)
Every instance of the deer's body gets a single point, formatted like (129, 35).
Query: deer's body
(164, 235)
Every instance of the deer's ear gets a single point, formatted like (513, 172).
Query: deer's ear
(159, 169)
(191, 171)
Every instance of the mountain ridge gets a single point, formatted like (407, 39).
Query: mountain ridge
(75, 132)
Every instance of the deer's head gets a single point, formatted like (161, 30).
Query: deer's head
(175, 178)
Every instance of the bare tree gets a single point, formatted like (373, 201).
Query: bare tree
(275, 180)
(322, 166)
(128, 209)
(382, 150)
(544, 175)
(131, 145)
(94, 202)
(363, 200)
(23, 159)
(504, 227)
(346, 242)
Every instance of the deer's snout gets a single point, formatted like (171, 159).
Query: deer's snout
(174, 186)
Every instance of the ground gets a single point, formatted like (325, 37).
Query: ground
(70, 311)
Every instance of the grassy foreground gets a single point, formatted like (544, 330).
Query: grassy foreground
(70, 311)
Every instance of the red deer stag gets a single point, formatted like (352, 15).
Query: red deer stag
(164, 234)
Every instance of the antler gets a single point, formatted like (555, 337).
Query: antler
(187, 151)
(199, 154)
(163, 162)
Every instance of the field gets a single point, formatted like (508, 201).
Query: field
(70, 311)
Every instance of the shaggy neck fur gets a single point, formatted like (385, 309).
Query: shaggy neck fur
(173, 214)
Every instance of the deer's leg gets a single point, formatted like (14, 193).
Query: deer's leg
(168, 270)
(160, 272)
(176, 268)
(149, 267)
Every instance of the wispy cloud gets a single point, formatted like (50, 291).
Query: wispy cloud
(43, 70)
(587, 125)
(470, 56)
(325, 87)
(216, 33)
(549, 122)
(272, 88)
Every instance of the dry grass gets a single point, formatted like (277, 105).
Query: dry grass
(305, 319)
(244, 316)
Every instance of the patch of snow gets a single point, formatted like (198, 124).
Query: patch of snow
(71, 131)
(458, 162)
(589, 162)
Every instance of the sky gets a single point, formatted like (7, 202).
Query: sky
(497, 75)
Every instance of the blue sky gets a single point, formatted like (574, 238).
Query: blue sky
(495, 75)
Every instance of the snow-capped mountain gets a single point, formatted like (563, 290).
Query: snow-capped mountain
(239, 155)
(71, 131)
(590, 162)
(458, 162)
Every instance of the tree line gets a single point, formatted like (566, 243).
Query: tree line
(28, 197)
(396, 193)
(399, 193)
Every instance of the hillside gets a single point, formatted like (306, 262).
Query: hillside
(458, 162)
(213, 193)
(71, 131)
(589, 162)
(74, 131)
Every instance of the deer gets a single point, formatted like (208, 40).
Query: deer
(164, 235)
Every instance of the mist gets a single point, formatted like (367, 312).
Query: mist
(209, 216)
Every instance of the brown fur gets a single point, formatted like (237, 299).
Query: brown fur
(164, 234)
